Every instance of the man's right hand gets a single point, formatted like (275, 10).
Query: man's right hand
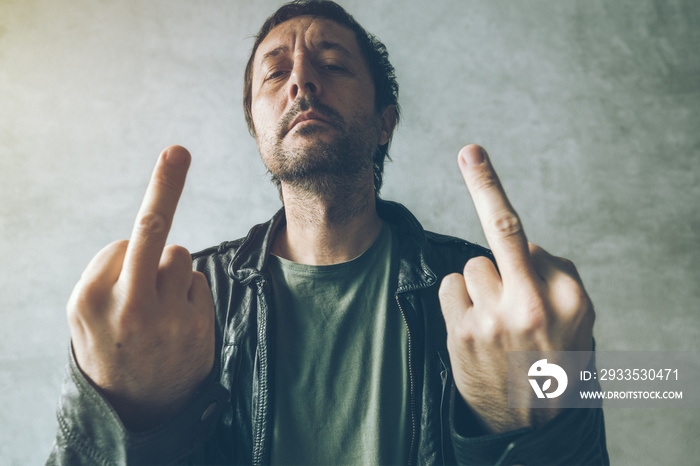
(141, 321)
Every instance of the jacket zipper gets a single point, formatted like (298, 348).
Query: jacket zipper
(443, 376)
(262, 383)
(414, 428)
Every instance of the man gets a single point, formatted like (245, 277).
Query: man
(338, 332)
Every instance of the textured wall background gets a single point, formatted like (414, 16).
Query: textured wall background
(590, 111)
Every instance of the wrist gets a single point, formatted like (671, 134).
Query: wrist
(490, 415)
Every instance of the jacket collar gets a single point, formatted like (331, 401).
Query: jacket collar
(250, 260)
(251, 256)
(414, 272)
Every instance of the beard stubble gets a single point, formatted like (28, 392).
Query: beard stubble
(324, 168)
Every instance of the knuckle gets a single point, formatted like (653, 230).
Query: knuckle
(485, 180)
(200, 283)
(569, 267)
(531, 316)
(530, 323)
(166, 180)
(535, 250)
(448, 282)
(200, 294)
(447, 287)
(152, 223)
(567, 263)
(107, 259)
(199, 279)
(177, 255)
(462, 334)
(203, 324)
(119, 245)
(87, 297)
(470, 269)
(579, 297)
(533, 305)
(74, 312)
(175, 270)
(505, 223)
(490, 329)
(471, 272)
(476, 266)
(574, 299)
(172, 329)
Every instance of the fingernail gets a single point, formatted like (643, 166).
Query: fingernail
(176, 155)
(473, 157)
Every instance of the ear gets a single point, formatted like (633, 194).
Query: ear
(388, 124)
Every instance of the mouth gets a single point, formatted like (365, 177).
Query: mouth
(308, 117)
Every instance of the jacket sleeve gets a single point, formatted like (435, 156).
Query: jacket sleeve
(90, 432)
(574, 437)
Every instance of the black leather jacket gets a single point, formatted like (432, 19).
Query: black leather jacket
(229, 420)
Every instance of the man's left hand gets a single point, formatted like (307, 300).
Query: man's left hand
(533, 302)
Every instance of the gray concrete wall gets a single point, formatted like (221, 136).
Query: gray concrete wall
(590, 110)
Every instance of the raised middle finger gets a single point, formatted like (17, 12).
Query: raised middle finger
(500, 222)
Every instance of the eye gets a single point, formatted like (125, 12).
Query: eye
(275, 75)
(332, 68)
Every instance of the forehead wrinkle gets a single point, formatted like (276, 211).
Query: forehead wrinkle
(310, 33)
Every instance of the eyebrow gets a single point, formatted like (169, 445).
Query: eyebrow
(323, 45)
(328, 45)
(274, 52)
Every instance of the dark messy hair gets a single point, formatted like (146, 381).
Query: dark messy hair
(374, 51)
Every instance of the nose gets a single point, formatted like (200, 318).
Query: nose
(303, 80)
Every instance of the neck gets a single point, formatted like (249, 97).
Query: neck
(325, 229)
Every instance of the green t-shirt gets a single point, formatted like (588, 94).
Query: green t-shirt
(341, 390)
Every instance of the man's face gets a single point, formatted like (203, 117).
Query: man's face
(313, 103)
